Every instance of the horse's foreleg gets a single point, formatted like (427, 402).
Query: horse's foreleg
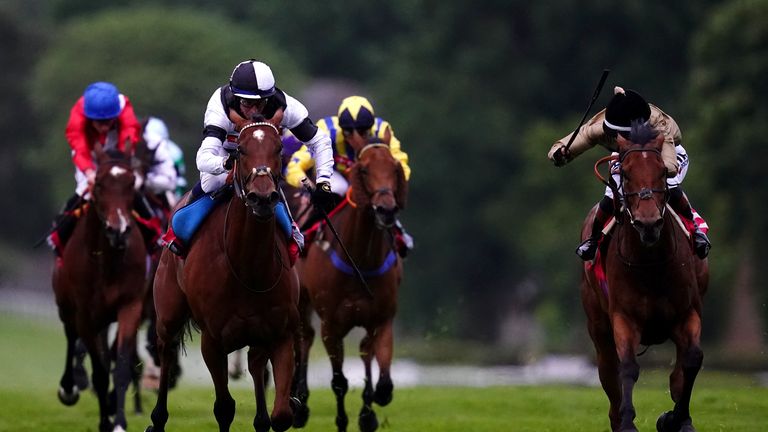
(98, 350)
(334, 345)
(303, 342)
(169, 354)
(128, 319)
(69, 393)
(282, 369)
(216, 360)
(383, 345)
(627, 338)
(367, 419)
(257, 363)
(687, 366)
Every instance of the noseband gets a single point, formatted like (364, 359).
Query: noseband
(643, 193)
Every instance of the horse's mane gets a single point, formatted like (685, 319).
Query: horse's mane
(642, 132)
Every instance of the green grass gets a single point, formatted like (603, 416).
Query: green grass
(32, 351)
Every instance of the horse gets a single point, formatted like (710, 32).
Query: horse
(238, 286)
(377, 192)
(652, 290)
(100, 278)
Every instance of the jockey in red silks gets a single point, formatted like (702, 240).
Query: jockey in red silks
(104, 115)
(625, 107)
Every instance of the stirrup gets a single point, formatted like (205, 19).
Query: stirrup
(587, 249)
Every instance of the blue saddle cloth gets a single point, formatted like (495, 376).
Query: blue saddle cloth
(188, 219)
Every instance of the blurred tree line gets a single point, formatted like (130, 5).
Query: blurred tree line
(477, 92)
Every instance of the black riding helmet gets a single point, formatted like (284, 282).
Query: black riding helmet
(252, 79)
(625, 107)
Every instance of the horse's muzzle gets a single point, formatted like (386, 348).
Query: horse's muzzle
(261, 205)
(385, 216)
(649, 230)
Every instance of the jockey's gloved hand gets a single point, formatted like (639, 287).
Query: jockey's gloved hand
(561, 157)
(230, 161)
(322, 197)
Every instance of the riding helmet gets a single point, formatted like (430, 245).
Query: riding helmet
(102, 101)
(623, 108)
(252, 79)
(355, 112)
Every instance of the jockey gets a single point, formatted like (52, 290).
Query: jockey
(162, 178)
(350, 131)
(102, 114)
(603, 128)
(251, 90)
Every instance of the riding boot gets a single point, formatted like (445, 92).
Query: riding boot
(680, 204)
(403, 240)
(64, 224)
(588, 248)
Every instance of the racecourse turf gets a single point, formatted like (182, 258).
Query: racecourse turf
(32, 356)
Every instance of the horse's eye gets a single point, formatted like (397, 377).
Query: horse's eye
(363, 171)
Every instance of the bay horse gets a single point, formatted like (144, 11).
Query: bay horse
(377, 192)
(652, 290)
(101, 278)
(238, 286)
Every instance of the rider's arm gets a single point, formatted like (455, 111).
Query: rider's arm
(296, 118)
(300, 162)
(130, 128)
(211, 154)
(77, 139)
(672, 137)
(590, 134)
(162, 175)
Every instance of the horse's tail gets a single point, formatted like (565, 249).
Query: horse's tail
(186, 334)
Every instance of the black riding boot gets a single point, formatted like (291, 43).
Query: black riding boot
(588, 248)
(64, 224)
(680, 204)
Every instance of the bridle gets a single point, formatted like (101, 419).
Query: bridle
(262, 170)
(380, 191)
(644, 193)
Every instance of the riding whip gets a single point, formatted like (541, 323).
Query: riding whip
(592, 102)
(308, 186)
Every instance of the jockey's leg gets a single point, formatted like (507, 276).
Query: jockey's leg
(680, 204)
(64, 224)
(403, 240)
(150, 232)
(174, 243)
(588, 248)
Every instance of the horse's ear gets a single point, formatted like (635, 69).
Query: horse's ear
(401, 194)
(658, 142)
(237, 119)
(622, 142)
(356, 183)
(98, 149)
(277, 119)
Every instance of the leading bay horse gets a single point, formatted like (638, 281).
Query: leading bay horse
(238, 286)
(101, 278)
(652, 290)
(377, 192)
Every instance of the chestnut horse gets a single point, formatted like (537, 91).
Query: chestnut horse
(238, 286)
(652, 290)
(378, 190)
(102, 278)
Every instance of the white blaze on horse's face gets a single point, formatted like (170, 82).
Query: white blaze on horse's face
(258, 134)
(123, 226)
(117, 171)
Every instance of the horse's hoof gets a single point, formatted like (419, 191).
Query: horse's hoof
(69, 399)
(383, 394)
(666, 423)
(300, 413)
(367, 420)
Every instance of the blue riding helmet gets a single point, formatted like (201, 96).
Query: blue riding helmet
(102, 101)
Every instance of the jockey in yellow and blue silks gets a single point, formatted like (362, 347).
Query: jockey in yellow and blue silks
(352, 129)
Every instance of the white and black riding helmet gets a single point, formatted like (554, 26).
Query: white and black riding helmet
(625, 107)
(252, 79)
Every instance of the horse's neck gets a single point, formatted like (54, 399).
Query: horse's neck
(367, 244)
(251, 244)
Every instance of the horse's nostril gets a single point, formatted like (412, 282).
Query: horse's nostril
(274, 197)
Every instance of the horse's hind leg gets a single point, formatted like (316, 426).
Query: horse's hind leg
(334, 345)
(216, 360)
(69, 392)
(687, 366)
(367, 419)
